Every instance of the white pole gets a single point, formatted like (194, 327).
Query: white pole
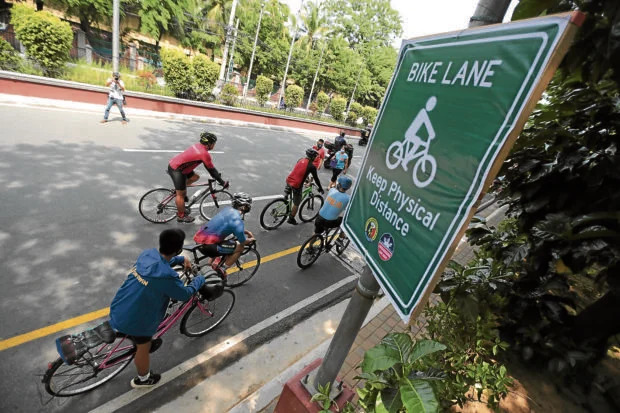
(232, 53)
(355, 87)
(231, 19)
(115, 34)
(290, 53)
(316, 74)
(247, 83)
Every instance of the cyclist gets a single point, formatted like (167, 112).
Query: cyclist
(140, 304)
(227, 221)
(318, 161)
(340, 141)
(295, 181)
(335, 203)
(181, 170)
(342, 164)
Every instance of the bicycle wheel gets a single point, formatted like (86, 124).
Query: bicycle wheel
(158, 205)
(310, 251)
(246, 266)
(205, 315)
(274, 214)
(208, 207)
(310, 207)
(394, 155)
(68, 380)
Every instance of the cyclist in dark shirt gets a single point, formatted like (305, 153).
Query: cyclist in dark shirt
(297, 177)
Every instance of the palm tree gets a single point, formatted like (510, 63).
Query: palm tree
(314, 23)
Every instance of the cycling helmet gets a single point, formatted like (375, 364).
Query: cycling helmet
(207, 138)
(311, 153)
(241, 199)
(344, 182)
(213, 286)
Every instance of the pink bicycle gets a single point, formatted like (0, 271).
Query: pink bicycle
(93, 357)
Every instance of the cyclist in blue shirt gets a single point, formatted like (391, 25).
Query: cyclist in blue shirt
(336, 201)
(342, 164)
(140, 304)
(228, 221)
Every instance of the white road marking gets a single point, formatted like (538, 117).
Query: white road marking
(160, 150)
(124, 399)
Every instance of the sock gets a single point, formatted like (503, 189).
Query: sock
(144, 378)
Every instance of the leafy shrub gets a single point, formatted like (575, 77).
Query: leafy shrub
(394, 377)
(146, 79)
(9, 59)
(178, 72)
(322, 100)
(47, 39)
(206, 73)
(294, 96)
(229, 94)
(337, 107)
(369, 114)
(264, 86)
(312, 108)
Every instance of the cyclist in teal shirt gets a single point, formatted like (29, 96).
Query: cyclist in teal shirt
(336, 201)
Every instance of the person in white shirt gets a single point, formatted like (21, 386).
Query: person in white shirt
(115, 97)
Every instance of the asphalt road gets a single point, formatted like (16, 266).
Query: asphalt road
(70, 230)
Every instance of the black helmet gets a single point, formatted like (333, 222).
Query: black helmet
(311, 153)
(207, 138)
(213, 286)
(241, 199)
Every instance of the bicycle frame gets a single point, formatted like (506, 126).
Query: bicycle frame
(192, 201)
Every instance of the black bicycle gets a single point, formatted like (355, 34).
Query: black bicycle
(316, 244)
(158, 205)
(276, 212)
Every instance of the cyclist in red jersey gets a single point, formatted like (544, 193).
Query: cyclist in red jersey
(297, 177)
(318, 161)
(181, 170)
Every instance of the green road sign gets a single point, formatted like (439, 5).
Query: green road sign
(454, 102)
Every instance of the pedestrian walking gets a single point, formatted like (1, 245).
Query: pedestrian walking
(115, 97)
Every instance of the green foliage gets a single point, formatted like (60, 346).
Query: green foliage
(206, 73)
(465, 322)
(322, 100)
(355, 111)
(323, 398)
(88, 11)
(394, 378)
(9, 59)
(369, 114)
(337, 108)
(293, 97)
(229, 94)
(163, 16)
(47, 39)
(264, 86)
(178, 72)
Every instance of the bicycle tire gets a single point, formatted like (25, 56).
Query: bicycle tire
(211, 318)
(208, 208)
(306, 256)
(310, 204)
(58, 369)
(152, 209)
(274, 214)
(244, 269)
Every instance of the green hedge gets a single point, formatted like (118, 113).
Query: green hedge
(355, 111)
(206, 73)
(9, 59)
(178, 72)
(264, 86)
(293, 97)
(322, 100)
(369, 114)
(47, 39)
(229, 94)
(337, 108)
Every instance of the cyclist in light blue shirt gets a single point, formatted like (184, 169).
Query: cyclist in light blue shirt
(336, 202)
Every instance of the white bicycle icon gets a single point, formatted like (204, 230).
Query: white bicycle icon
(412, 147)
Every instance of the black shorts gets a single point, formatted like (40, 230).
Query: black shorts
(335, 173)
(141, 339)
(321, 224)
(179, 178)
(218, 250)
(296, 193)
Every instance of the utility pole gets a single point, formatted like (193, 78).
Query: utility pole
(232, 53)
(316, 74)
(231, 20)
(115, 33)
(367, 287)
(355, 87)
(290, 51)
(260, 18)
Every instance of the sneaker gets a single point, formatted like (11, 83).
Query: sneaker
(153, 379)
(155, 344)
(124, 121)
(216, 261)
(186, 219)
(291, 220)
(103, 121)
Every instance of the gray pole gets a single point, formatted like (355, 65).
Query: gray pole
(115, 34)
(367, 287)
(231, 19)
(316, 74)
(231, 61)
(489, 12)
(353, 94)
(247, 83)
(290, 53)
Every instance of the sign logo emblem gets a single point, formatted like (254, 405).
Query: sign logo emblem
(386, 247)
(371, 229)
(402, 153)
